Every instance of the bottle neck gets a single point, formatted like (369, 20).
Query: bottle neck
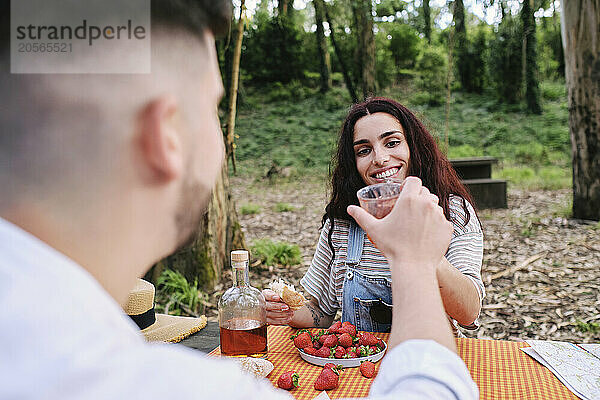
(240, 274)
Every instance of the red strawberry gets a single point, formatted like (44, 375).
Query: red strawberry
(310, 350)
(335, 328)
(368, 339)
(333, 366)
(367, 369)
(351, 354)
(374, 349)
(324, 352)
(381, 344)
(345, 340)
(317, 344)
(327, 380)
(288, 380)
(303, 340)
(330, 341)
(339, 352)
(324, 337)
(348, 328)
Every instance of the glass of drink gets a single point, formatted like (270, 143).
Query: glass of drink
(379, 199)
(242, 313)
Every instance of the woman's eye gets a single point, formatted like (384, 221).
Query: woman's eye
(392, 143)
(363, 152)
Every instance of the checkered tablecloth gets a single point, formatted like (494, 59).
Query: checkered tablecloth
(499, 368)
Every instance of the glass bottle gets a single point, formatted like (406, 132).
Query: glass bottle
(242, 313)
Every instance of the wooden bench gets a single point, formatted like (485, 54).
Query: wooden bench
(476, 174)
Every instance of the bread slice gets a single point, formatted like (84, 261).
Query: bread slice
(288, 294)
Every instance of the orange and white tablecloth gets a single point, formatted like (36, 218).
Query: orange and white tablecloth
(499, 368)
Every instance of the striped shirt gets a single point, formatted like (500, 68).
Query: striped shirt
(324, 279)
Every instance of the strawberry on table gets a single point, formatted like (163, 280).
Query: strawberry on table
(288, 380)
(328, 379)
(333, 366)
(367, 369)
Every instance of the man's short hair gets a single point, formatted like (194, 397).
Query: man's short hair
(39, 120)
(195, 16)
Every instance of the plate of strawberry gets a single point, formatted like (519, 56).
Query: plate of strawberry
(341, 343)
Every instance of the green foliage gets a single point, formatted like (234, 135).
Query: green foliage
(431, 66)
(553, 90)
(473, 62)
(385, 69)
(273, 51)
(464, 150)
(587, 327)
(176, 296)
(283, 207)
(548, 177)
(272, 252)
(404, 43)
(505, 61)
(551, 58)
(248, 209)
(534, 150)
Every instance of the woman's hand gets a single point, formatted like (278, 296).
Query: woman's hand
(278, 313)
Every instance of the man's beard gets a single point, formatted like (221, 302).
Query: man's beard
(190, 212)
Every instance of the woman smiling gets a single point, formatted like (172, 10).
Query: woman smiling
(382, 140)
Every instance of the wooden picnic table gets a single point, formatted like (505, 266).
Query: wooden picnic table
(499, 368)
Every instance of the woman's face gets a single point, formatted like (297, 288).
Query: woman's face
(380, 148)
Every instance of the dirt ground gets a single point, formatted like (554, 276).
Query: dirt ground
(541, 270)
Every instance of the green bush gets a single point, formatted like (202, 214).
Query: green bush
(553, 90)
(404, 43)
(273, 51)
(462, 151)
(176, 296)
(431, 66)
(283, 207)
(271, 252)
(248, 209)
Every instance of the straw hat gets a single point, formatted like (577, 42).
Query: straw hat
(158, 327)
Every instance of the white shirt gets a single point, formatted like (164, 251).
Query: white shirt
(63, 337)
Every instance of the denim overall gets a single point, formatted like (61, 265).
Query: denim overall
(361, 291)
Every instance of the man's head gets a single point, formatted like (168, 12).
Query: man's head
(104, 167)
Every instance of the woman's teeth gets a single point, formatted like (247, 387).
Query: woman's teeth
(386, 174)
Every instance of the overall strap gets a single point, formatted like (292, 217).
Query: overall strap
(356, 238)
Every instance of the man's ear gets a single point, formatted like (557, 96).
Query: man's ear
(160, 138)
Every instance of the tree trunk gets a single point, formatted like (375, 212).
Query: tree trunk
(233, 89)
(205, 259)
(284, 7)
(322, 47)
(427, 20)
(502, 10)
(460, 40)
(340, 57)
(366, 46)
(532, 87)
(580, 22)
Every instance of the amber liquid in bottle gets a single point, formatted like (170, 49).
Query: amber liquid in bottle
(242, 314)
(243, 337)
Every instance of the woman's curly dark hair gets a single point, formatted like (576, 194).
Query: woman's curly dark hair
(426, 162)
